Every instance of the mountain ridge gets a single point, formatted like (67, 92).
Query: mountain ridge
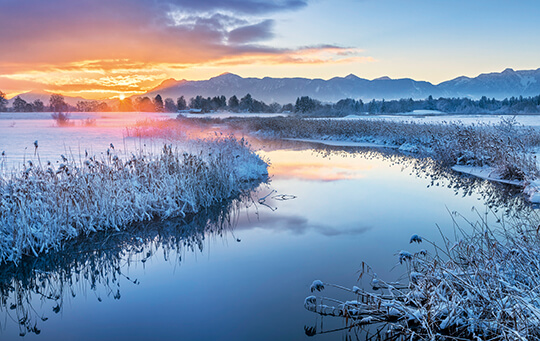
(500, 85)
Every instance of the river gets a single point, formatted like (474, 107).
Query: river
(241, 271)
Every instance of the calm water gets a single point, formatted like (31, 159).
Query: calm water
(241, 271)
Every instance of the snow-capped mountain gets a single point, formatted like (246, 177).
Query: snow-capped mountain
(499, 85)
(285, 90)
(44, 97)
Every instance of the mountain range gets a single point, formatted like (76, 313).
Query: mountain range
(500, 85)
(285, 90)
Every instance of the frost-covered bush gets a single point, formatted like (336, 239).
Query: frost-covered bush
(485, 285)
(41, 206)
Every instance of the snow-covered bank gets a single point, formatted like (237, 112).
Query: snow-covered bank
(531, 189)
(42, 205)
(487, 173)
(418, 117)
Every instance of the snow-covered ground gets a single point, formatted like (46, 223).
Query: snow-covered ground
(59, 182)
(525, 120)
(93, 132)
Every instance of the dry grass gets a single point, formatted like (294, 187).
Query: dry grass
(41, 206)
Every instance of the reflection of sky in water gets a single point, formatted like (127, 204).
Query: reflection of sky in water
(250, 284)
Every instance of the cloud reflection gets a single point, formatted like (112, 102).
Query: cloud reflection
(287, 165)
(297, 225)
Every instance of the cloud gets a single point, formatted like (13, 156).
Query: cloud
(252, 33)
(240, 6)
(65, 45)
(63, 31)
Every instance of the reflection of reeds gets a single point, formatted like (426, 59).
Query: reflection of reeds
(485, 285)
(41, 206)
(99, 262)
(496, 196)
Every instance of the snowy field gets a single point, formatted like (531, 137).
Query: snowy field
(93, 132)
(223, 115)
(342, 205)
(420, 117)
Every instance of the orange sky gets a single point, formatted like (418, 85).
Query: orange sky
(107, 48)
(104, 49)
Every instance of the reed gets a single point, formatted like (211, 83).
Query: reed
(40, 206)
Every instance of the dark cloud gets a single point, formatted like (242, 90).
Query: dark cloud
(252, 33)
(240, 6)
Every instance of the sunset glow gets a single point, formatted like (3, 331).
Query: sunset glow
(122, 48)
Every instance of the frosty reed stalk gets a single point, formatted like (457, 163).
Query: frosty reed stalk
(40, 205)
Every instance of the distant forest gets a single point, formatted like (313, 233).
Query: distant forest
(304, 105)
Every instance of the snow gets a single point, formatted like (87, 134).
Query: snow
(532, 190)
(415, 239)
(317, 285)
(487, 173)
(423, 112)
(409, 148)
(93, 178)
(525, 120)
(86, 131)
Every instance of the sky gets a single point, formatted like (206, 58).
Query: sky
(118, 48)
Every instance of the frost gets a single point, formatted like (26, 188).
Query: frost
(415, 239)
(484, 286)
(405, 256)
(316, 285)
(409, 148)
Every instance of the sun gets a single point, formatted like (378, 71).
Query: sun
(121, 97)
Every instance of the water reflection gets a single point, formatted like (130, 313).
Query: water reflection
(345, 166)
(97, 263)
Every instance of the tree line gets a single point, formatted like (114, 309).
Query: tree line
(303, 105)
(464, 105)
